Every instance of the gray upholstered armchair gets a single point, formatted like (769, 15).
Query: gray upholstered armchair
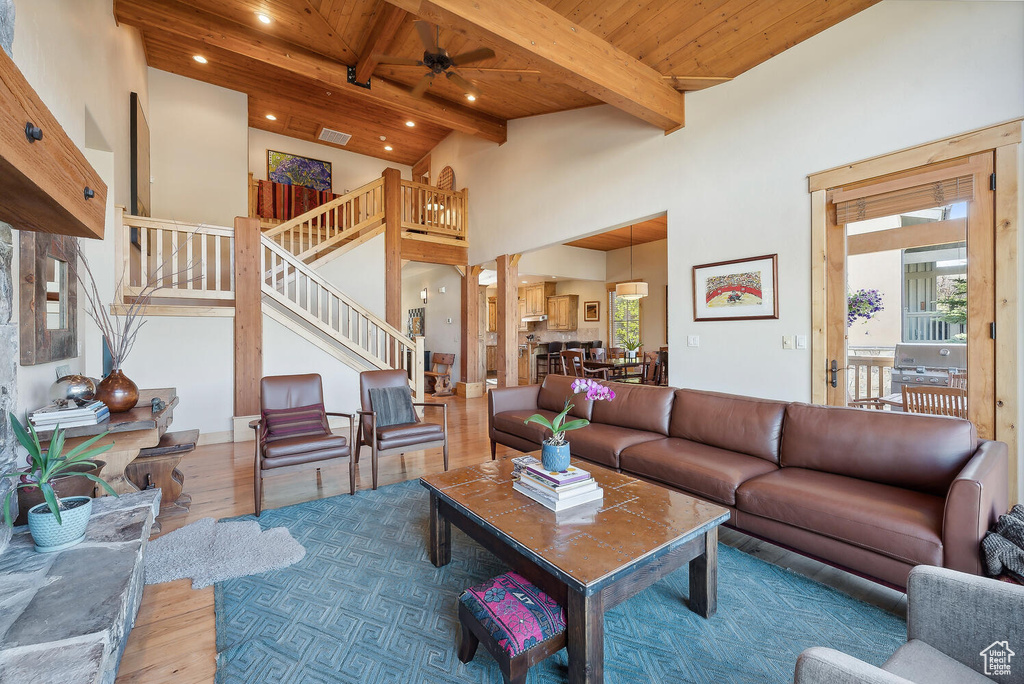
(958, 627)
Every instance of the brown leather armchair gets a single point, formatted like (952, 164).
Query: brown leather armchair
(290, 453)
(396, 439)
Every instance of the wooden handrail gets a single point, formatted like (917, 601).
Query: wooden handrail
(324, 208)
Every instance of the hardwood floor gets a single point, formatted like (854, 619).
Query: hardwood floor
(174, 638)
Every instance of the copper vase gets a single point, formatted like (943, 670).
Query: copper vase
(118, 392)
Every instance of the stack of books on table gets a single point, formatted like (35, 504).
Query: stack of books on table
(89, 413)
(558, 490)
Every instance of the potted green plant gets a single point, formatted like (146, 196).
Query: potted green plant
(631, 341)
(554, 454)
(57, 523)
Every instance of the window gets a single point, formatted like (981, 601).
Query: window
(624, 322)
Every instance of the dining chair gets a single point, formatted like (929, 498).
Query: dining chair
(388, 421)
(664, 365)
(939, 401)
(598, 354)
(573, 363)
(292, 431)
(650, 373)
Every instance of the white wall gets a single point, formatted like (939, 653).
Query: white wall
(349, 170)
(565, 262)
(733, 181)
(359, 274)
(650, 263)
(441, 336)
(83, 67)
(198, 151)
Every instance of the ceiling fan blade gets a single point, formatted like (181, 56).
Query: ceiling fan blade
(423, 84)
(399, 61)
(472, 56)
(454, 77)
(427, 35)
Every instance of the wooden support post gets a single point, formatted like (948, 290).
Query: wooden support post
(248, 317)
(508, 320)
(393, 247)
(470, 366)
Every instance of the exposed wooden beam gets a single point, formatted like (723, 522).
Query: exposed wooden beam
(382, 34)
(557, 46)
(175, 18)
(688, 84)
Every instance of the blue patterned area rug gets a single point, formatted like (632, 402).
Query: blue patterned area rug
(366, 605)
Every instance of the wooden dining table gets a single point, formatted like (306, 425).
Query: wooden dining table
(619, 368)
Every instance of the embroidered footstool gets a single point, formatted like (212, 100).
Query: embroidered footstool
(517, 623)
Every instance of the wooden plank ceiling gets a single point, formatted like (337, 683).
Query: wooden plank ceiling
(550, 55)
(646, 231)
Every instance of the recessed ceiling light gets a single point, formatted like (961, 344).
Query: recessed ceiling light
(471, 97)
(524, 282)
(263, 17)
(271, 117)
(199, 58)
(410, 124)
(388, 148)
(383, 138)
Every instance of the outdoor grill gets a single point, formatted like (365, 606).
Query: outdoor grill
(926, 364)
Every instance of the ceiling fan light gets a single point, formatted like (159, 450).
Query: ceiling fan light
(636, 289)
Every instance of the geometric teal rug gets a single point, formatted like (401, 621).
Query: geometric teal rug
(365, 605)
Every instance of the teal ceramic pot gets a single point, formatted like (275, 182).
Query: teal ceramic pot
(50, 536)
(554, 456)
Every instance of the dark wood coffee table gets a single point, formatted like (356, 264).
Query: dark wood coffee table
(589, 558)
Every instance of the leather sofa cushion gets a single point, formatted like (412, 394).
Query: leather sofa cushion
(743, 424)
(408, 434)
(706, 471)
(555, 390)
(293, 450)
(898, 523)
(514, 423)
(603, 443)
(640, 407)
(923, 453)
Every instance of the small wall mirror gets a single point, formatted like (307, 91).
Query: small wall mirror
(56, 293)
(48, 297)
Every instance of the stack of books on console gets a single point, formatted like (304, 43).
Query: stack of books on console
(89, 413)
(558, 490)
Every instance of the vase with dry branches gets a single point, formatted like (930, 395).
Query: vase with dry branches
(120, 331)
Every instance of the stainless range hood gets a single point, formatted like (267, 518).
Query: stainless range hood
(535, 319)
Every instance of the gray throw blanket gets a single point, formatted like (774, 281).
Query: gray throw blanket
(1003, 546)
(393, 406)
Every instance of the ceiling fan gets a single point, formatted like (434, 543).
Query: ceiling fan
(438, 61)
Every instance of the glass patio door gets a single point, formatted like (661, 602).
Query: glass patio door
(911, 263)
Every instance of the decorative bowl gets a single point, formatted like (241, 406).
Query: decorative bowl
(76, 388)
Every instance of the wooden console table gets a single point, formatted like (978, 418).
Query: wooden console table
(129, 432)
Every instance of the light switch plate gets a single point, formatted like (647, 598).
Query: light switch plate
(801, 341)
(693, 340)
(787, 341)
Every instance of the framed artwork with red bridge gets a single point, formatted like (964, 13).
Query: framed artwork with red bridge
(737, 290)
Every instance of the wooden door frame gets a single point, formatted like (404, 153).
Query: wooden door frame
(1004, 141)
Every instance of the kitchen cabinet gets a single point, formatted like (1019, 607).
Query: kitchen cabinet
(563, 312)
(492, 314)
(46, 182)
(536, 297)
(492, 358)
(523, 325)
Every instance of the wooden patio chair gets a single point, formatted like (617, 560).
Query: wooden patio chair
(958, 379)
(937, 401)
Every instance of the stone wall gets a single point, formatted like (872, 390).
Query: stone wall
(6, 25)
(8, 368)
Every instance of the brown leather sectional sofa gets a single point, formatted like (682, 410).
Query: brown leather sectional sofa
(873, 492)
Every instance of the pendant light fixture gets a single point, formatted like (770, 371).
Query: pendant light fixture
(634, 289)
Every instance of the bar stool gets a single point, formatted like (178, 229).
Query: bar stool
(552, 360)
